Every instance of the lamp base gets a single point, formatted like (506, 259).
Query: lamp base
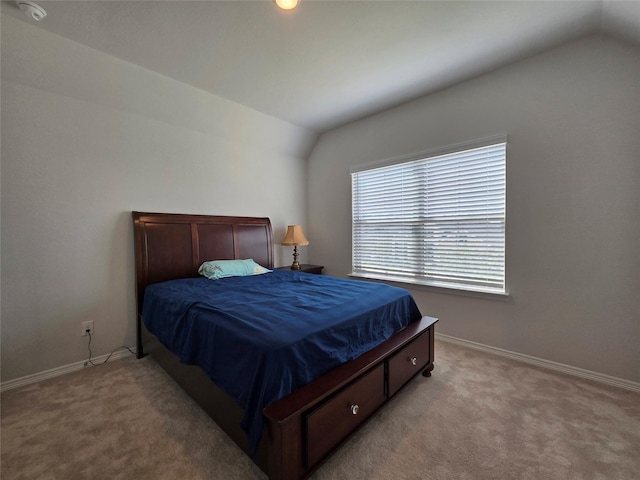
(295, 265)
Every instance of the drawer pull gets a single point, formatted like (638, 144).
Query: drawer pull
(414, 361)
(354, 409)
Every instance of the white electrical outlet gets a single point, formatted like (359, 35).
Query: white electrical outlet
(87, 328)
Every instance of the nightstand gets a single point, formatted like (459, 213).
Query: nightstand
(306, 268)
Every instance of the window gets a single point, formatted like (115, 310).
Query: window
(438, 220)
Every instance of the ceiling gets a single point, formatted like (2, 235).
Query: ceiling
(328, 63)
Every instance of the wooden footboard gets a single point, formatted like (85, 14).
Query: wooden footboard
(305, 427)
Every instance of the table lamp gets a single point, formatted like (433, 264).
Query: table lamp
(295, 236)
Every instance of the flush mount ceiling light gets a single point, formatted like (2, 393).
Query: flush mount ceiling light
(287, 4)
(31, 10)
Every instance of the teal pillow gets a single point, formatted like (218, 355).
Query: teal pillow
(230, 268)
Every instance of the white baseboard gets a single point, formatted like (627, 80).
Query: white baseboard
(548, 364)
(558, 367)
(55, 372)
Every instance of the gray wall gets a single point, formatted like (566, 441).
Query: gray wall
(572, 116)
(86, 138)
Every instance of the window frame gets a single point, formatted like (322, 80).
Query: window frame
(426, 281)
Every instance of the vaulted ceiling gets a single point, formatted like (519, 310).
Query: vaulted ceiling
(328, 63)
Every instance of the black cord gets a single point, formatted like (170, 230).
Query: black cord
(108, 356)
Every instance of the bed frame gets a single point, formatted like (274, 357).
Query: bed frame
(307, 426)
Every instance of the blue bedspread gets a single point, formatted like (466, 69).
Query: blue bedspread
(261, 337)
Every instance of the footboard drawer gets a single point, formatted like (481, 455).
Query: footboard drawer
(408, 362)
(335, 419)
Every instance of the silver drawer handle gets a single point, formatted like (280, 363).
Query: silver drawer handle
(354, 409)
(413, 360)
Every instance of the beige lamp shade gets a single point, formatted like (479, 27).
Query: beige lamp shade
(295, 236)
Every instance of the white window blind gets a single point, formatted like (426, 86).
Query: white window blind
(437, 221)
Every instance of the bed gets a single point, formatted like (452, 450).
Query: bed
(293, 432)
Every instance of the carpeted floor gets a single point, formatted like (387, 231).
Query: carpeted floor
(478, 417)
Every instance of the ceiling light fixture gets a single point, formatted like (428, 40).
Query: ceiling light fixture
(287, 4)
(31, 10)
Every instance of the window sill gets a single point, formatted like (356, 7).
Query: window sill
(486, 294)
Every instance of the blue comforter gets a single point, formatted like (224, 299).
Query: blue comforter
(261, 337)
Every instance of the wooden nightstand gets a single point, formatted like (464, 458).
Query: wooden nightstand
(306, 268)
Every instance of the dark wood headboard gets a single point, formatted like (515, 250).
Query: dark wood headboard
(169, 246)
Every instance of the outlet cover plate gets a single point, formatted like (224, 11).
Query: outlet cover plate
(88, 325)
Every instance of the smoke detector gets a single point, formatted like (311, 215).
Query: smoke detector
(31, 10)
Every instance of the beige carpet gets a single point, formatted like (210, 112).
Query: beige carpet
(477, 417)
